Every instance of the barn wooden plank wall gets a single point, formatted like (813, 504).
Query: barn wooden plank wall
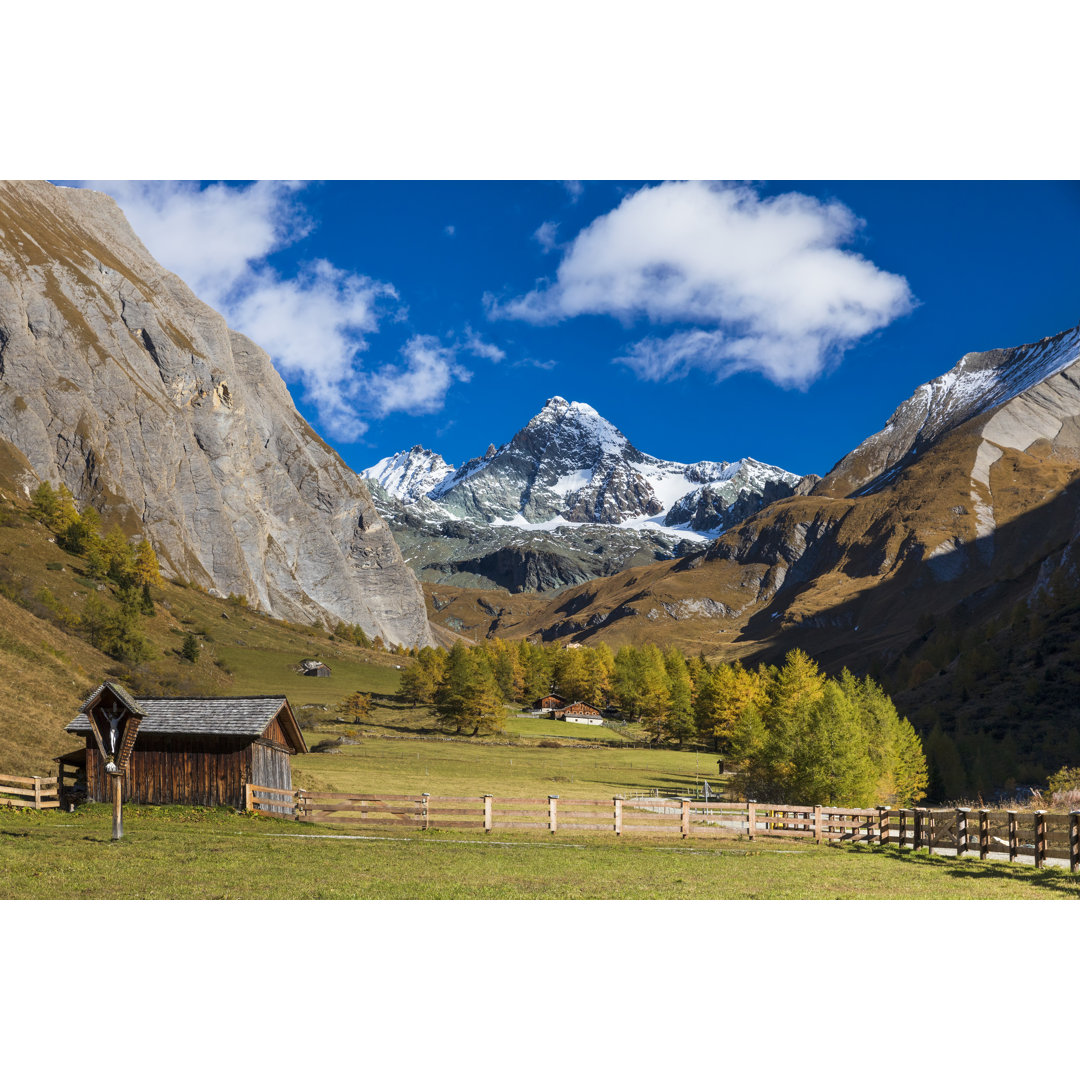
(1027, 835)
(168, 769)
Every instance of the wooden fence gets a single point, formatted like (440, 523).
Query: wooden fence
(1037, 835)
(36, 792)
(272, 802)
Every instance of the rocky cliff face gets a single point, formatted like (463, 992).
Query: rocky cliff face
(118, 382)
(567, 499)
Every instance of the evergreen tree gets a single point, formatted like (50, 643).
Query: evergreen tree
(356, 707)
(627, 682)
(44, 504)
(680, 717)
(417, 684)
(655, 690)
(189, 650)
(468, 695)
(599, 670)
(146, 570)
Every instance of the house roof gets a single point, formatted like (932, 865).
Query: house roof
(205, 716)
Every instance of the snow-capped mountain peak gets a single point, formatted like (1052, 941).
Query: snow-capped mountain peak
(567, 498)
(409, 474)
(569, 465)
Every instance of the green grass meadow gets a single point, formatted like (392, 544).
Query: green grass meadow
(174, 853)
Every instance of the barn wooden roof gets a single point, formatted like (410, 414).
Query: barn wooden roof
(207, 716)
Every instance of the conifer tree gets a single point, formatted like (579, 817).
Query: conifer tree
(356, 707)
(680, 716)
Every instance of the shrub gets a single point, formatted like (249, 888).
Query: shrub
(550, 744)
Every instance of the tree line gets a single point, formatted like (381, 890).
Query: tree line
(110, 556)
(793, 733)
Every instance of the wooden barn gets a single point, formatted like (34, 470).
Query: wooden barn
(315, 668)
(548, 702)
(579, 712)
(199, 751)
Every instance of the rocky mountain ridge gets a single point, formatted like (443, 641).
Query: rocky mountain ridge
(118, 382)
(567, 499)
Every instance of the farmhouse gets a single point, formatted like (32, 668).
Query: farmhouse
(316, 668)
(548, 702)
(199, 751)
(579, 712)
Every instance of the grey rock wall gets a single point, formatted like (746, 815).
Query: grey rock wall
(116, 380)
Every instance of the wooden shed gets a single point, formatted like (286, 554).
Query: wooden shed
(316, 668)
(548, 702)
(198, 751)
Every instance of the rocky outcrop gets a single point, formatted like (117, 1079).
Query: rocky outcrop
(1024, 393)
(116, 380)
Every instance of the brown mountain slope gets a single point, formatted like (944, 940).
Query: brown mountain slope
(850, 577)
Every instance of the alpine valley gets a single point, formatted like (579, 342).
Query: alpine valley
(941, 555)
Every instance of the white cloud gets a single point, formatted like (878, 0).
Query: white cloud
(574, 188)
(545, 236)
(420, 386)
(764, 283)
(449, 230)
(315, 325)
(486, 350)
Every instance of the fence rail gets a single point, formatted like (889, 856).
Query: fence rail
(1035, 835)
(270, 802)
(37, 792)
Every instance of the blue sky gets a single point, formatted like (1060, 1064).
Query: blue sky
(782, 321)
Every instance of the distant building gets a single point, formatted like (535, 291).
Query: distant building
(579, 712)
(548, 703)
(316, 668)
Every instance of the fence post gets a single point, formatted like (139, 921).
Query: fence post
(618, 815)
(1040, 837)
(962, 829)
(984, 834)
(931, 824)
(884, 826)
(917, 837)
(684, 822)
(249, 801)
(817, 824)
(1014, 838)
(751, 818)
(553, 802)
(487, 813)
(1074, 841)
(424, 809)
(37, 792)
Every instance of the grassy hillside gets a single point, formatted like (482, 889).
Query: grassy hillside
(48, 667)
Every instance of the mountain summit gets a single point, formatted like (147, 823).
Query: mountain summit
(575, 476)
